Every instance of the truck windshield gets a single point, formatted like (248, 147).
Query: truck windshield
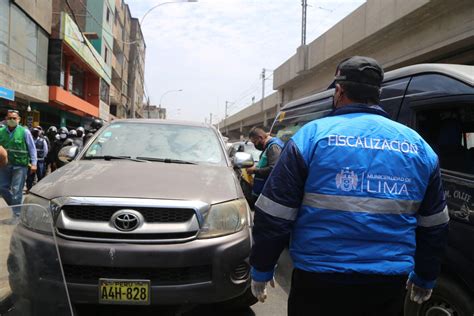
(158, 143)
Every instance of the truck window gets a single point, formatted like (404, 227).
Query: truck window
(288, 122)
(449, 129)
(391, 96)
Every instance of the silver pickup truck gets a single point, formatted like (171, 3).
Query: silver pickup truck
(149, 212)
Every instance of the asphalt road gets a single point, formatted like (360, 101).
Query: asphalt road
(274, 306)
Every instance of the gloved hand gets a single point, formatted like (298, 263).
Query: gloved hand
(418, 294)
(259, 289)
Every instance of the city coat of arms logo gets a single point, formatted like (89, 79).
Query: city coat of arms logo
(346, 180)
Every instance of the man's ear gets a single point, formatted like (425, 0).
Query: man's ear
(339, 89)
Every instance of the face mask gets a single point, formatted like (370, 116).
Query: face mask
(63, 136)
(12, 123)
(260, 146)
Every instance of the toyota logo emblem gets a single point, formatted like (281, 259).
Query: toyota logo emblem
(125, 220)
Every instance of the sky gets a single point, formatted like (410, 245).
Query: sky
(215, 50)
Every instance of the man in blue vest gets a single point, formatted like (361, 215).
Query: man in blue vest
(361, 198)
(271, 148)
(41, 153)
(20, 146)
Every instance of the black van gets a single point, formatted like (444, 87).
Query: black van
(436, 100)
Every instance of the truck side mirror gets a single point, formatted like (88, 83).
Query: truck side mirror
(242, 160)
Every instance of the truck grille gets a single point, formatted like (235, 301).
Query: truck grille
(119, 237)
(157, 276)
(151, 215)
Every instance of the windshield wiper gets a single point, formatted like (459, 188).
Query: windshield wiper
(110, 157)
(168, 160)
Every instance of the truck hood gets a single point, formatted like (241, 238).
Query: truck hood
(154, 180)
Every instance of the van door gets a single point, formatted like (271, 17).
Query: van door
(441, 110)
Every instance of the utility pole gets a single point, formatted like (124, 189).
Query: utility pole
(263, 89)
(226, 115)
(226, 109)
(210, 118)
(148, 105)
(304, 4)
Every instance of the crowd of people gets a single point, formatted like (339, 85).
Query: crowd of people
(27, 155)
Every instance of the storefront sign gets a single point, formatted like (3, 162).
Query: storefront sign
(71, 35)
(7, 94)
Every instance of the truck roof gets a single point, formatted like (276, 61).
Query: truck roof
(463, 73)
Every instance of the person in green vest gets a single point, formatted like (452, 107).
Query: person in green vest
(21, 149)
(271, 148)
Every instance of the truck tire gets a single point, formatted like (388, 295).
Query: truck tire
(449, 298)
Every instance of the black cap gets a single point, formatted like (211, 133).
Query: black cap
(360, 69)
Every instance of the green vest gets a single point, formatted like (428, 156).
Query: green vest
(15, 146)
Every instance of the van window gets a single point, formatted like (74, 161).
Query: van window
(449, 129)
(435, 84)
(391, 96)
(288, 122)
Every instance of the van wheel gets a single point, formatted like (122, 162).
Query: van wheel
(448, 299)
(240, 302)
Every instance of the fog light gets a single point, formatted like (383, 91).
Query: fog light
(241, 272)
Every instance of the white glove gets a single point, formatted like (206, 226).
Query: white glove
(259, 289)
(418, 294)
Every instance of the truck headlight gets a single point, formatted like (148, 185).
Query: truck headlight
(36, 214)
(225, 218)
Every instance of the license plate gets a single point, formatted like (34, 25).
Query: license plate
(130, 292)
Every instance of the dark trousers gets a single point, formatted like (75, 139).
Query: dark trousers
(40, 173)
(345, 294)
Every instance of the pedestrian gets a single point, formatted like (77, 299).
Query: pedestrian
(95, 125)
(271, 148)
(21, 149)
(360, 198)
(79, 140)
(41, 153)
(61, 138)
(50, 159)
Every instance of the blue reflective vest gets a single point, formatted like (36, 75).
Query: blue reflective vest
(40, 148)
(259, 181)
(354, 191)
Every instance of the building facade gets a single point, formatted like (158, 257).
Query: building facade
(154, 112)
(100, 21)
(119, 93)
(78, 76)
(136, 74)
(25, 27)
(65, 63)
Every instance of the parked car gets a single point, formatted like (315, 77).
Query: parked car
(150, 212)
(437, 101)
